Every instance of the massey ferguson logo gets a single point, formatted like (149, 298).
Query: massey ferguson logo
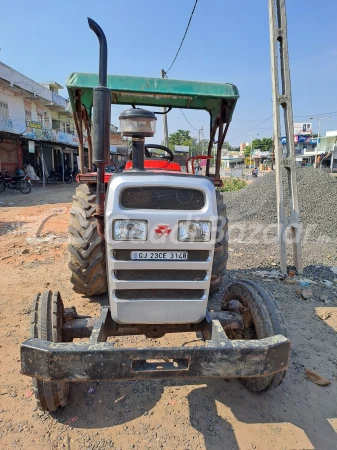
(162, 230)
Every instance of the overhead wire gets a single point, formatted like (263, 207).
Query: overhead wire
(182, 112)
(246, 132)
(195, 4)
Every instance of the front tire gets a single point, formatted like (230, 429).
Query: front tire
(221, 247)
(262, 318)
(68, 179)
(86, 247)
(2, 186)
(46, 323)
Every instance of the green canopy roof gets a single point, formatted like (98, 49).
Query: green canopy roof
(158, 92)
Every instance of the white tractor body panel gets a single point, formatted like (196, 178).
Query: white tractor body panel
(137, 297)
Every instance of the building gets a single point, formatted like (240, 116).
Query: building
(243, 145)
(36, 124)
(231, 159)
(327, 151)
(118, 147)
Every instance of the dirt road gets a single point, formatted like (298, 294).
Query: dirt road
(210, 414)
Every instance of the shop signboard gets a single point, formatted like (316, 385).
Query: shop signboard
(302, 128)
(181, 148)
(31, 146)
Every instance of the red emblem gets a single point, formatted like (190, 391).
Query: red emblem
(162, 230)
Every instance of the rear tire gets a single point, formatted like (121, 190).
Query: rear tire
(261, 318)
(46, 323)
(68, 179)
(25, 188)
(221, 247)
(2, 186)
(86, 247)
(51, 179)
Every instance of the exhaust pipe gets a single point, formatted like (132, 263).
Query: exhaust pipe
(101, 124)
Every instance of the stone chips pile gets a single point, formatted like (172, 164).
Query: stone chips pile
(317, 195)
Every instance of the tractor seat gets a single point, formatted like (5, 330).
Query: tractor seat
(161, 164)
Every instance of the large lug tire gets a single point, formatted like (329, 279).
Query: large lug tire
(86, 247)
(221, 247)
(261, 318)
(46, 323)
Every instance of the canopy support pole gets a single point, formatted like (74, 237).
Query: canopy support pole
(87, 128)
(78, 123)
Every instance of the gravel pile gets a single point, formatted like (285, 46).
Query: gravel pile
(317, 195)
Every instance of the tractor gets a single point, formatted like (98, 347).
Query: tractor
(155, 238)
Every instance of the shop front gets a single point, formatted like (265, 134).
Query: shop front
(10, 154)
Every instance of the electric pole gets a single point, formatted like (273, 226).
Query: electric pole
(199, 141)
(166, 141)
(281, 90)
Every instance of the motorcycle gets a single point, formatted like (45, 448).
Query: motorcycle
(57, 176)
(20, 183)
(254, 173)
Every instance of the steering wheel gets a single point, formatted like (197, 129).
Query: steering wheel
(159, 147)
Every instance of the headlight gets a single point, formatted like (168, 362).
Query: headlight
(130, 230)
(195, 231)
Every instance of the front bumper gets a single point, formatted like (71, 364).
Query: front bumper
(220, 357)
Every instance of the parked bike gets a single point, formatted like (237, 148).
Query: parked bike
(20, 183)
(57, 176)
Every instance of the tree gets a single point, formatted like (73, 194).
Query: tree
(180, 137)
(227, 146)
(247, 150)
(263, 144)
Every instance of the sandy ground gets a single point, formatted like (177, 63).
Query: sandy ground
(169, 414)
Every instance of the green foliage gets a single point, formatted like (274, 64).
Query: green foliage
(180, 137)
(227, 146)
(247, 150)
(263, 144)
(233, 184)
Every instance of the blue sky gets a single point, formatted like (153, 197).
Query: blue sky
(228, 41)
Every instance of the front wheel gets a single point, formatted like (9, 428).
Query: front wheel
(2, 186)
(25, 188)
(68, 179)
(221, 247)
(261, 317)
(51, 179)
(46, 323)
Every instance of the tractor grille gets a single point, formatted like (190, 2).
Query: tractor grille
(170, 198)
(193, 255)
(161, 275)
(159, 294)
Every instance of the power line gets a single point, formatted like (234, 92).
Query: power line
(317, 115)
(195, 4)
(250, 129)
(182, 112)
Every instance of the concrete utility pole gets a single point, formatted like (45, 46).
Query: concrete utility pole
(282, 97)
(199, 141)
(166, 141)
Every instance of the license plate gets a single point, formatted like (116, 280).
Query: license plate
(173, 256)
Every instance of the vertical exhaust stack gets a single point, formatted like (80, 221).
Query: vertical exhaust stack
(101, 124)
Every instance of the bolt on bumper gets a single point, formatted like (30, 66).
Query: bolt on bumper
(96, 360)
